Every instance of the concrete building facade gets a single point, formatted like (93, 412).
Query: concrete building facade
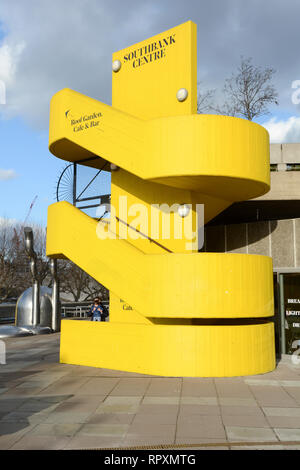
(270, 225)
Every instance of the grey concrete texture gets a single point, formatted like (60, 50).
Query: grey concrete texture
(285, 153)
(47, 405)
(284, 186)
(279, 239)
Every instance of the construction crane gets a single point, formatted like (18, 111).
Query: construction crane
(30, 209)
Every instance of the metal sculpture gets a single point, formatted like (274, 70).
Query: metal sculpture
(36, 284)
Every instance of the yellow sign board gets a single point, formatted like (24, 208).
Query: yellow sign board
(152, 72)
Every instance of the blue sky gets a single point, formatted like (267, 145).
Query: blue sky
(46, 46)
(26, 152)
(36, 172)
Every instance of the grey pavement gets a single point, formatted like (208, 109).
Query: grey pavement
(48, 405)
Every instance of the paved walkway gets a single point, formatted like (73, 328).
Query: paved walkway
(47, 405)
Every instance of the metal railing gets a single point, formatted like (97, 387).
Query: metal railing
(68, 310)
(79, 311)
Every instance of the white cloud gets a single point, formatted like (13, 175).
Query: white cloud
(7, 174)
(9, 57)
(283, 131)
(47, 46)
(52, 45)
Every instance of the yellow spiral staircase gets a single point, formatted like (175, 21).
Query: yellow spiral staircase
(173, 310)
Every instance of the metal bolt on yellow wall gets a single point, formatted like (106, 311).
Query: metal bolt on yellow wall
(173, 310)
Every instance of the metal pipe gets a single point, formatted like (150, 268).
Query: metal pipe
(282, 314)
(29, 242)
(36, 303)
(56, 314)
(36, 285)
(74, 184)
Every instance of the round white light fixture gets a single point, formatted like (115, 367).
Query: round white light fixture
(182, 94)
(183, 210)
(113, 167)
(116, 65)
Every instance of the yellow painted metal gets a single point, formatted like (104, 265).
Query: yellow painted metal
(190, 350)
(152, 72)
(196, 152)
(161, 287)
(139, 88)
(170, 285)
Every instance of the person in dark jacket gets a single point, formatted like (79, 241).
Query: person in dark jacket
(96, 310)
(105, 312)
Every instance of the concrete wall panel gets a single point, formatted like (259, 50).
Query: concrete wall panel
(275, 153)
(297, 242)
(236, 238)
(284, 185)
(282, 242)
(290, 153)
(258, 238)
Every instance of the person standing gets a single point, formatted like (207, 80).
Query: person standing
(96, 310)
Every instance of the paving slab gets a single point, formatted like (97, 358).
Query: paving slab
(155, 418)
(255, 421)
(198, 388)
(147, 441)
(84, 442)
(185, 410)
(40, 443)
(284, 422)
(161, 400)
(262, 447)
(246, 433)
(190, 400)
(294, 393)
(105, 430)
(194, 441)
(25, 417)
(131, 386)
(123, 400)
(277, 411)
(198, 426)
(237, 401)
(273, 396)
(288, 434)
(48, 405)
(95, 385)
(111, 418)
(67, 417)
(238, 410)
(12, 433)
(117, 408)
(157, 408)
(79, 403)
(157, 430)
(164, 386)
(57, 430)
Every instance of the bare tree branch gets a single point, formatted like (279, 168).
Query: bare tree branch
(204, 100)
(248, 92)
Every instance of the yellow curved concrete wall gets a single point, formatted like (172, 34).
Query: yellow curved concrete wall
(170, 350)
(170, 285)
(197, 152)
(173, 311)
